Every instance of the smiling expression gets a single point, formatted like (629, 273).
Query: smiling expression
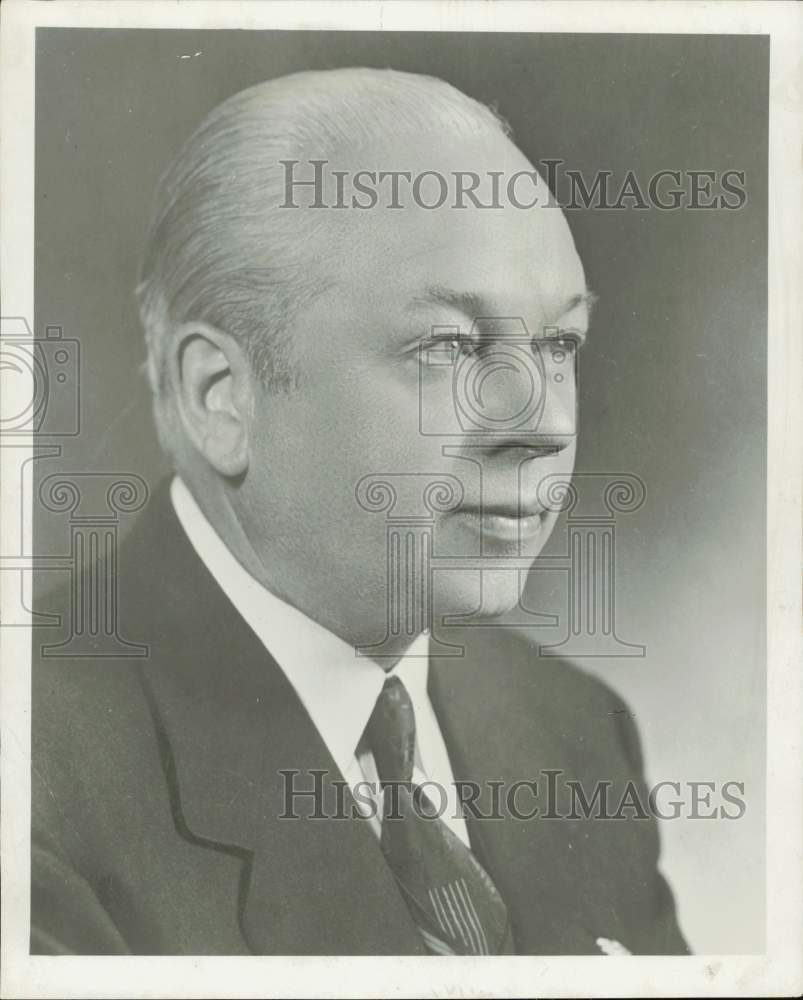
(475, 285)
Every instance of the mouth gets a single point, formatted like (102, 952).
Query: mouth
(505, 523)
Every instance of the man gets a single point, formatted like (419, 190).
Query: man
(268, 779)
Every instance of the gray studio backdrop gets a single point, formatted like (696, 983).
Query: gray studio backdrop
(672, 380)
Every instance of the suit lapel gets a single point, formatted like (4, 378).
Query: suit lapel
(478, 700)
(229, 722)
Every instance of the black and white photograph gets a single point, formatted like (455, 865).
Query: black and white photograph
(401, 499)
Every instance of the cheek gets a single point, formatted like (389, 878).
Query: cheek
(369, 418)
(319, 443)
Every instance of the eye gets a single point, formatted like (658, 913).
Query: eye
(467, 346)
(559, 347)
(448, 349)
(571, 339)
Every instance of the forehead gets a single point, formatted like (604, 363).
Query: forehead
(510, 265)
(519, 261)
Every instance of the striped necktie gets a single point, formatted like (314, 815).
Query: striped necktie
(454, 903)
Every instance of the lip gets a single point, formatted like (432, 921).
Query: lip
(505, 510)
(503, 523)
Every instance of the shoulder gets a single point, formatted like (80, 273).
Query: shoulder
(515, 660)
(89, 721)
(90, 724)
(550, 692)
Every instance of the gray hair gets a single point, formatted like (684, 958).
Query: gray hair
(218, 252)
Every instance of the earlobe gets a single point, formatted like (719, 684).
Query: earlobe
(212, 386)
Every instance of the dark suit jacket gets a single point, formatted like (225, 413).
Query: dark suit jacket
(157, 797)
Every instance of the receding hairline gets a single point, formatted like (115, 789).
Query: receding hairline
(213, 230)
(356, 92)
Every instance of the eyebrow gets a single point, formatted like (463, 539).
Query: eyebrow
(468, 303)
(587, 298)
(475, 306)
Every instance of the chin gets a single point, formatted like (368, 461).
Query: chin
(490, 594)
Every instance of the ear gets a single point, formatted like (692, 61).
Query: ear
(213, 387)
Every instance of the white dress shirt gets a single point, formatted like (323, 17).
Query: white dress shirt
(337, 687)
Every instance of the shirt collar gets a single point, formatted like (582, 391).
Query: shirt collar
(337, 687)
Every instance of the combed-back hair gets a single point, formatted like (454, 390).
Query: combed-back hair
(219, 248)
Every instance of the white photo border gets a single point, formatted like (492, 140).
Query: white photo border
(778, 972)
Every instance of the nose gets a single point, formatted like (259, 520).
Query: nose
(555, 428)
(522, 397)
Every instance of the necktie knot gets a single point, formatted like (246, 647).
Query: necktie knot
(390, 733)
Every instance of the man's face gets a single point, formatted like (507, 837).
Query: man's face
(392, 390)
